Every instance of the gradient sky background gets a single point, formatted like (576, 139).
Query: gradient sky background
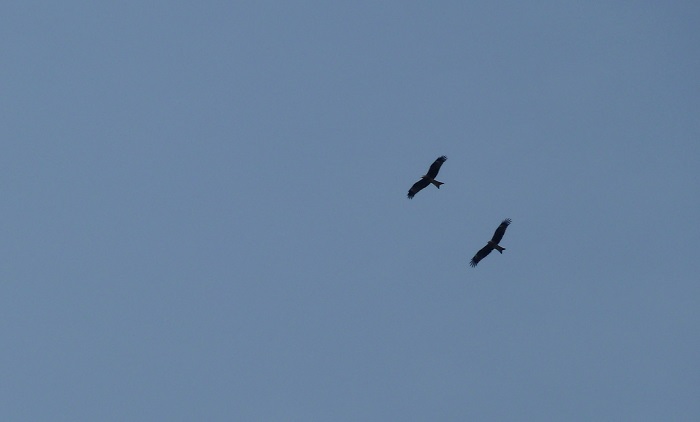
(205, 214)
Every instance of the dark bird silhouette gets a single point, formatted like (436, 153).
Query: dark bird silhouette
(493, 243)
(428, 178)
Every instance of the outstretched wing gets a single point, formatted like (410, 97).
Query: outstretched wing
(500, 231)
(481, 255)
(417, 187)
(435, 167)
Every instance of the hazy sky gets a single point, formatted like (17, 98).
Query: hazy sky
(205, 214)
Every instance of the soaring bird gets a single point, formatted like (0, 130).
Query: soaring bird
(493, 243)
(428, 178)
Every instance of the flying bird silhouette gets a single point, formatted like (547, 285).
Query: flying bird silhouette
(428, 178)
(492, 244)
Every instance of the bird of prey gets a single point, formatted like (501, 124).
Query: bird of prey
(428, 178)
(492, 244)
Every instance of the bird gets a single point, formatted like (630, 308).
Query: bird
(492, 244)
(428, 178)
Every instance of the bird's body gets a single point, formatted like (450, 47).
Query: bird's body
(428, 178)
(492, 244)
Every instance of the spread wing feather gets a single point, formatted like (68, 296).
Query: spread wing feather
(500, 231)
(435, 167)
(417, 187)
(483, 252)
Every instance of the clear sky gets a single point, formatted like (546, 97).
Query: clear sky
(204, 212)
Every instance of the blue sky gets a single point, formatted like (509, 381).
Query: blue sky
(205, 212)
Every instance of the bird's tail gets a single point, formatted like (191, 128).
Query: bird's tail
(500, 249)
(436, 183)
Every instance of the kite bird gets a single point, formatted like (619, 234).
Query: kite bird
(428, 178)
(493, 243)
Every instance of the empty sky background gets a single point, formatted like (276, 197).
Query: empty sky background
(204, 212)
